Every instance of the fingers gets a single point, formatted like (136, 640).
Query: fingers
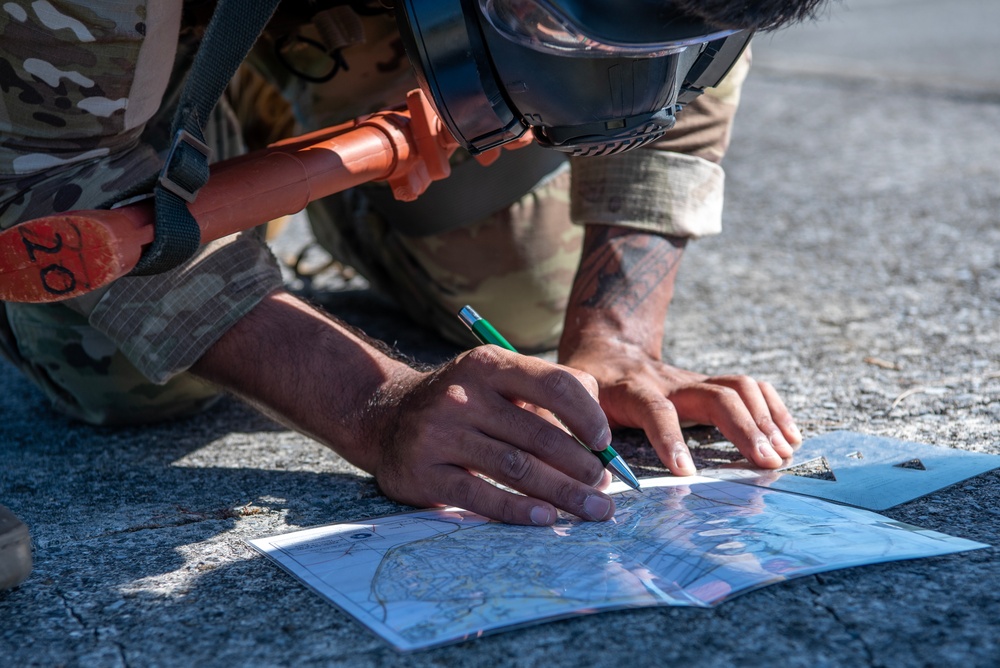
(782, 417)
(748, 413)
(767, 411)
(568, 393)
(523, 451)
(544, 489)
(475, 416)
(657, 417)
(531, 434)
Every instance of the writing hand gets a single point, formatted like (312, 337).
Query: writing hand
(425, 436)
(476, 416)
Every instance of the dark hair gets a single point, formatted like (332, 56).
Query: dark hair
(750, 14)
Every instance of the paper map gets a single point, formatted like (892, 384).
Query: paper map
(873, 472)
(426, 578)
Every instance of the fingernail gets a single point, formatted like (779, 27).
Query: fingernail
(796, 434)
(764, 449)
(683, 462)
(778, 442)
(541, 516)
(597, 507)
(604, 439)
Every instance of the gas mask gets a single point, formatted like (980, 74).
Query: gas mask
(587, 77)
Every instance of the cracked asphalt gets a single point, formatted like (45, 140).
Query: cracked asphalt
(859, 271)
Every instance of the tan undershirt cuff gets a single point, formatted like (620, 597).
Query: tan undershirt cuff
(655, 191)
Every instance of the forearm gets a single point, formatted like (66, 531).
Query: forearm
(622, 289)
(639, 208)
(308, 371)
(614, 330)
(422, 434)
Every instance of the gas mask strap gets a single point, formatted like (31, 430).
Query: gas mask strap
(713, 64)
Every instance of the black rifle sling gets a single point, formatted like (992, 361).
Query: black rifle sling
(231, 33)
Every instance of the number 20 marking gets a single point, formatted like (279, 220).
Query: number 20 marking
(56, 279)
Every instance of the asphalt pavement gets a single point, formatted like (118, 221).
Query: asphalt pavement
(859, 272)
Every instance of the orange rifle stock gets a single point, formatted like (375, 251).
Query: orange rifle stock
(66, 255)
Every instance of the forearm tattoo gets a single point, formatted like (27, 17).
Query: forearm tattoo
(621, 268)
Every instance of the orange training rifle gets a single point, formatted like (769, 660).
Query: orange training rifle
(69, 254)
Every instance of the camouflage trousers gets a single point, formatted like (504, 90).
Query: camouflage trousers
(85, 376)
(515, 266)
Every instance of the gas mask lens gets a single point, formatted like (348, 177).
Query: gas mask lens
(541, 25)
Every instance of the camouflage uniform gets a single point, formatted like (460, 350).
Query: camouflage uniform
(86, 97)
(82, 120)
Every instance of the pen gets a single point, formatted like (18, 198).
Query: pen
(486, 333)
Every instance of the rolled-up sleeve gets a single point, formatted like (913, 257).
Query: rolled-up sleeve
(676, 185)
(654, 191)
(163, 324)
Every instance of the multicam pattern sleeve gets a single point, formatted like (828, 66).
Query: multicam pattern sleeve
(674, 187)
(79, 83)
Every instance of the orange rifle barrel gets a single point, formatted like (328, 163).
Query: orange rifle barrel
(67, 255)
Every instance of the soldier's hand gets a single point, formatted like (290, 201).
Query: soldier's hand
(642, 392)
(476, 415)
